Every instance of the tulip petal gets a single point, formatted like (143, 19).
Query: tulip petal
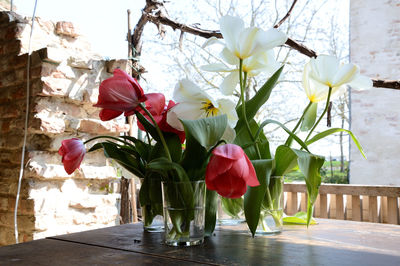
(107, 114)
(324, 68)
(230, 186)
(345, 74)
(155, 103)
(211, 41)
(230, 29)
(184, 110)
(229, 83)
(228, 107)
(361, 82)
(269, 39)
(247, 42)
(217, 166)
(229, 57)
(186, 90)
(230, 151)
(217, 67)
(251, 178)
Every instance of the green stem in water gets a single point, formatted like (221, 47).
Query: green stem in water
(242, 82)
(290, 139)
(158, 131)
(322, 115)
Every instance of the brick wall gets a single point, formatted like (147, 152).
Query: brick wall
(64, 81)
(375, 114)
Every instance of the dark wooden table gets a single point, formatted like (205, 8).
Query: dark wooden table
(331, 242)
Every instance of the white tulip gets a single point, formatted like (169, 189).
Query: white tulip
(245, 42)
(194, 103)
(326, 72)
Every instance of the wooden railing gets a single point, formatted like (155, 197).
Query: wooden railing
(377, 204)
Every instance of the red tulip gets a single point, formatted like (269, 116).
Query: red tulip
(155, 103)
(72, 152)
(230, 171)
(119, 94)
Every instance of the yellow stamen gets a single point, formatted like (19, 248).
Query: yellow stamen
(209, 108)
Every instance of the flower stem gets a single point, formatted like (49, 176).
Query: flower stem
(290, 139)
(322, 115)
(105, 137)
(158, 131)
(242, 81)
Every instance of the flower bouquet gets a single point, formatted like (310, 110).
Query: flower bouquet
(200, 138)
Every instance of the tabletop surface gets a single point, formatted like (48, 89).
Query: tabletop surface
(331, 242)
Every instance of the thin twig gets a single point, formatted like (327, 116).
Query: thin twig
(286, 16)
(161, 18)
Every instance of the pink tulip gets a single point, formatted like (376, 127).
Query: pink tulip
(72, 152)
(119, 94)
(230, 171)
(155, 104)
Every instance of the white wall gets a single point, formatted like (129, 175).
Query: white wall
(375, 114)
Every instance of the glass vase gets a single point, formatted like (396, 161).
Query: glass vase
(184, 212)
(230, 211)
(271, 213)
(151, 204)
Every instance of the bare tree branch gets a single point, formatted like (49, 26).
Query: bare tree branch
(287, 15)
(160, 17)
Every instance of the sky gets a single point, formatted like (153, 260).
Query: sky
(104, 24)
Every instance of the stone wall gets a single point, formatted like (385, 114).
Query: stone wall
(64, 81)
(375, 114)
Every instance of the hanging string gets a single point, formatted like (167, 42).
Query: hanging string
(21, 171)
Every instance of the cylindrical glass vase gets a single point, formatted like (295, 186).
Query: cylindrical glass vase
(230, 211)
(271, 213)
(184, 212)
(151, 204)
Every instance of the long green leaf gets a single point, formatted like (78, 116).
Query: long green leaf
(285, 160)
(244, 140)
(334, 130)
(255, 103)
(150, 128)
(310, 165)
(255, 195)
(309, 117)
(162, 166)
(211, 212)
(207, 131)
(268, 121)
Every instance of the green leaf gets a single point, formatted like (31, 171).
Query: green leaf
(334, 130)
(150, 128)
(255, 103)
(211, 212)
(207, 131)
(125, 159)
(174, 146)
(255, 195)
(310, 165)
(141, 147)
(298, 218)
(309, 117)
(268, 121)
(162, 166)
(232, 207)
(285, 160)
(244, 140)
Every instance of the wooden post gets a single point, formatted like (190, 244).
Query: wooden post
(291, 203)
(303, 202)
(323, 206)
(133, 201)
(339, 207)
(373, 209)
(349, 209)
(365, 208)
(356, 208)
(384, 210)
(317, 207)
(125, 211)
(332, 206)
(392, 210)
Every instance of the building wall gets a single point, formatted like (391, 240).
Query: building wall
(375, 114)
(64, 81)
